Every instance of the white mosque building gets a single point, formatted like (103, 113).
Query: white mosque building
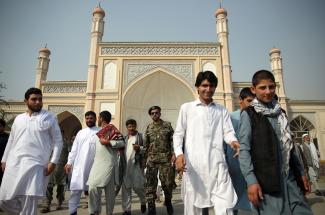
(127, 78)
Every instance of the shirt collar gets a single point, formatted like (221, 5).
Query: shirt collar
(198, 102)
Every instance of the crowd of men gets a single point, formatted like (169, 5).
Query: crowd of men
(246, 160)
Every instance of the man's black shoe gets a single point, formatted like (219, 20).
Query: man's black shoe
(127, 213)
(143, 208)
(169, 207)
(151, 208)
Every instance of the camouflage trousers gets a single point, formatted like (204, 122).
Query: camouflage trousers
(49, 194)
(166, 176)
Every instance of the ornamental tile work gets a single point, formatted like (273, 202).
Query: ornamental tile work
(78, 111)
(64, 89)
(136, 69)
(160, 51)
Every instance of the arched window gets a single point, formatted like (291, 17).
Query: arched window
(299, 126)
(110, 76)
(210, 67)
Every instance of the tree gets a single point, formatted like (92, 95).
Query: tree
(3, 102)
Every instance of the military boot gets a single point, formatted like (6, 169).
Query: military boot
(151, 208)
(169, 206)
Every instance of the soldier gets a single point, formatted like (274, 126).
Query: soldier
(159, 155)
(58, 177)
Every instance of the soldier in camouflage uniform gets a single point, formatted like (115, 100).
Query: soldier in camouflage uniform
(159, 155)
(57, 177)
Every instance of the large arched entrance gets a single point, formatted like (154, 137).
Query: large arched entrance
(69, 124)
(158, 88)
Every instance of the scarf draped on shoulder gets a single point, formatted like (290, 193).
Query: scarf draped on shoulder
(110, 132)
(274, 110)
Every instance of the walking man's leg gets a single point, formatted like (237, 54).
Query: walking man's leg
(74, 201)
(94, 200)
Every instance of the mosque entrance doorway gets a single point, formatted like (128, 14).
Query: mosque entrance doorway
(156, 88)
(69, 125)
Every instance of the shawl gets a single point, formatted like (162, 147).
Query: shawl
(110, 132)
(274, 110)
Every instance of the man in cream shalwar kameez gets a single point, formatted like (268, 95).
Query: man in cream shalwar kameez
(81, 159)
(204, 125)
(134, 174)
(26, 160)
(104, 170)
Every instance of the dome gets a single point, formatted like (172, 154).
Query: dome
(221, 11)
(99, 10)
(46, 50)
(274, 50)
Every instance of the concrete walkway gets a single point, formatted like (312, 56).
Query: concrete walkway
(317, 204)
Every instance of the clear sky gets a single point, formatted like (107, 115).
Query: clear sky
(294, 26)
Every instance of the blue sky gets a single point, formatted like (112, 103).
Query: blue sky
(294, 26)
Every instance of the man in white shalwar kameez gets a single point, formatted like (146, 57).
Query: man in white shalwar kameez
(81, 159)
(27, 159)
(204, 125)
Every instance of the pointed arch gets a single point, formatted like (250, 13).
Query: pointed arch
(69, 124)
(159, 69)
(158, 87)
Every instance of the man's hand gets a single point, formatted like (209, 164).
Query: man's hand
(104, 141)
(136, 147)
(235, 146)
(306, 185)
(3, 166)
(68, 168)
(173, 159)
(50, 168)
(255, 194)
(180, 164)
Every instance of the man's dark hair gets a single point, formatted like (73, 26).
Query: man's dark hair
(206, 75)
(90, 113)
(262, 75)
(155, 107)
(32, 90)
(246, 92)
(130, 122)
(106, 116)
(3, 123)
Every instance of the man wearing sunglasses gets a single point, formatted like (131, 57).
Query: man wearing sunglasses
(159, 155)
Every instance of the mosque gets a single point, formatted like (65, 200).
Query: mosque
(127, 78)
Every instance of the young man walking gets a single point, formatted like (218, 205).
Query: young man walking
(270, 167)
(201, 129)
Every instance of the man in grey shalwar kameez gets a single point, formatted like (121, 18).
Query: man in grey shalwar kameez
(271, 169)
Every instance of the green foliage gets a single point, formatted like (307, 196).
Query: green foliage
(3, 102)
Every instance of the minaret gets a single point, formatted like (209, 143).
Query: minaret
(222, 33)
(97, 31)
(276, 67)
(42, 67)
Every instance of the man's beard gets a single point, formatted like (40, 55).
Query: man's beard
(35, 109)
(90, 124)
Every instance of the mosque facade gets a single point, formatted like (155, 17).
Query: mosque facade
(127, 78)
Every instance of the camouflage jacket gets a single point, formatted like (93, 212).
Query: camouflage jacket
(159, 142)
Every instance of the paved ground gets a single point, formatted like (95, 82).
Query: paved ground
(317, 204)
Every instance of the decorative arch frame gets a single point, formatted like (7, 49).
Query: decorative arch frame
(147, 74)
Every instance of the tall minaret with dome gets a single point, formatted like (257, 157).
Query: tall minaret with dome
(277, 70)
(222, 34)
(42, 67)
(97, 31)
